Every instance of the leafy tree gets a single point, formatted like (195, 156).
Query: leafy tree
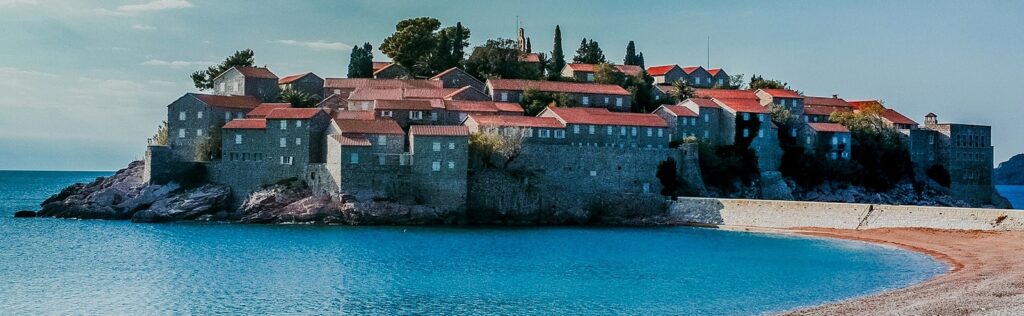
(360, 63)
(535, 101)
(607, 74)
(632, 58)
(506, 144)
(724, 167)
(557, 56)
(877, 148)
(758, 82)
(203, 79)
(735, 83)
(500, 58)
(682, 90)
(668, 176)
(452, 42)
(589, 53)
(639, 87)
(421, 45)
(209, 148)
(299, 99)
(161, 135)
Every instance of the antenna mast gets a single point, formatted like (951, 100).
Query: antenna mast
(709, 51)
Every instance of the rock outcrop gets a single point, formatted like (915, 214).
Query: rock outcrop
(207, 200)
(24, 214)
(902, 194)
(1010, 172)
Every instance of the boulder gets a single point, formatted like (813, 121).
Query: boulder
(25, 214)
(100, 199)
(208, 199)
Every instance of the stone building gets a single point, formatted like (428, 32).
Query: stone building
(261, 111)
(585, 72)
(695, 76)
(308, 83)
(457, 78)
(819, 109)
(541, 130)
(830, 141)
(365, 156)
(244, 140)
(295, 136)
(682, 121)
(591, 127)
(392, 71)
(193, 118)
(255, 82)
(898, 121)
(456, 111)
(719, 77)
(439, 169)
(964, 151)
(666, 74)
(607, 96)
(747, 120)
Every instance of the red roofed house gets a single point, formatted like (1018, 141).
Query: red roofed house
(898, 121)
(746, 120)
(345, 86)
(457, 78)
(243, 140)
(819, 109)
(308, 83)
(440, 155)
(295, 137)
(708, 125)
(264, 109)
(539, 130)
(247, 81)
(457, 110)
(194, 117)
(585, 72)
(682, 120)
(602, 128)
(831, 141)
(963, 150)
(608, 96)
(786, 98)
(719, 78)
(698, 77)
(666, 74)
(392, 71)
(362, 155)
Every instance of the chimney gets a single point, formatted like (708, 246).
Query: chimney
(835, 96)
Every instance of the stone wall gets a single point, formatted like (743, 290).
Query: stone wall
(161, 166)
(791, 214)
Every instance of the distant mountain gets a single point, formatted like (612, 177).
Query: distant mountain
(1010, 172)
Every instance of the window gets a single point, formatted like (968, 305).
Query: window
(693, 121)
(590, 77)
(575, 129)
(199, 115)
(381, 160)
(760, 117)
(415, 115)
(697, 79)
(618, 101)
(931, 139)
(298, 123)
(705, 134)
(593, 173)
(337, 91)
(622, 131)
(437, 146)
(227, 116)
(661, 133)
(382, 140)
(433, 116)
(846, 155)
(287, 160)
(283, 142)
(353, 158)
(650, 132)
(181, 116)
(181, 133)
(808, 140)
(284, 125)
(590, 129)
(504, 97)
(435, 166)
(451, 164)
(559, 133)
(451, 145)
(238, 139)
(608, 130)
(223, 86)
(586, 100)
(386, 113)
(746, 116)
(647, 188)
(707, 118)
(792, 132)
(634, 131)
(760, 133)
(746, 133)
(833, 155)
(199, 132)
(835, 140)
(543, 133)
(298, 141)
(239, 115)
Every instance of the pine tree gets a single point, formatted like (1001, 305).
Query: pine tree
(203, 79)
(557, 56)
(589, 53)
(631, 57)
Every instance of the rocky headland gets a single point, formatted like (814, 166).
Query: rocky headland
(1010, 172)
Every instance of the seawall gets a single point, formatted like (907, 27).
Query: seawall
(792, 214)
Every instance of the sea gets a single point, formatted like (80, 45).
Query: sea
(68, 266)
(1014, 193)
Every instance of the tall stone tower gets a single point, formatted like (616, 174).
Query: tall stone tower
(522, 42)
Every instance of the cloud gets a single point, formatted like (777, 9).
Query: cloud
(15, 3)
(317, 45)
(133, 9)
(143, 27)
(176, 63)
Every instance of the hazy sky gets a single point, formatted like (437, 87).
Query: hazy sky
(83, 84)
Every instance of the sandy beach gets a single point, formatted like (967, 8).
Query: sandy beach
(986, 276)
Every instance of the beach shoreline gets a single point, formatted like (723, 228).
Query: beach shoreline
(986, 275)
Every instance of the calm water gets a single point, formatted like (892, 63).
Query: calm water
(1014, 193)
(54, 266)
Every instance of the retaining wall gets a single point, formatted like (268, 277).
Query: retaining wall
(790, 214)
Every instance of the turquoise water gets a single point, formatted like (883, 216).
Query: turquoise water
(1014, 193)
(57, 266)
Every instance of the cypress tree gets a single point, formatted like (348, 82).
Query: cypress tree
(529, 47)
(631, 57)
(557, 56)
(354, 60)
(458, 55)
(641, 60)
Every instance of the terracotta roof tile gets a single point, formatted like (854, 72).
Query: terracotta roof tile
(530, 58)
(352, 83)
(246, 124)
(377, 65)
(724, 94)
(292, 78)
(370, 94)
(553, 86)
(896, 118)
(509, 107)
(256, 72)
(783, 93)
(415, 105)
(265, 108)
(294, 113)
(660, 70)
(446, 72)
(704, 103)
(826, 101)
(378, 70)
(601, 116)
(439, 130)
(518, 121)
(626, 69)
(828, 127)
(224, 101)
(742, 105)
(678, 110)
(714, 71)
(690, 69)
(354, 115)
(822, 110)
(351, 140)
(381, 126)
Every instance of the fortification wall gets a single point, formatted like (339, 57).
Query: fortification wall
(790, 214)
(161, 166)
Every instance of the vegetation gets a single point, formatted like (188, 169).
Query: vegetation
(682, 90)
(726, 167)
(758, 82)
(360, 64)
(507, 145)
(605, 73)
(557, 56)
(589, 53)
(500, 58)
(161, 136)
(632, 57)
(203, 79)
(420, 45)
(735, 83)
(939, 174)
(668, 177)
(639, 87)
(535, 101)
(878, 149)
(209, 148)
(299, 99)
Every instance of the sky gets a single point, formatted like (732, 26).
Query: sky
(84, 83)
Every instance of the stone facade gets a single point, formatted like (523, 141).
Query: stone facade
(965, 151)
(248, 81)
(439, 169)
(308, 83)
(190, 120)
(458, 78)
(392, 71)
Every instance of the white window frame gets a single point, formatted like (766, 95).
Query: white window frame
(227, 116)
(618, 101)
(182, 115)
(298, 141)
(609, 130)
(386, 113)
(746, 116)
(661, 133)
(199, 114)
(436, 146)
(635, 130)
(575, 129)
(451, 164)
(382, 140)
(585, 100)
(435, 166)
(559, 134)
(451, 146)
(181, 133)
(504, 97)
(298, 123)
(650, 132)
(238, 139)
(353, 158)
(199, 132)
(707, 118)
(283, 142)
(591, 129)
(284, 125)
(415, 115)
(746, 133)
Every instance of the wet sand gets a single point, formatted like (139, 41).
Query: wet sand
(986, 275)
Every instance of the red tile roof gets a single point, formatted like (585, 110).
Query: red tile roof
(828, 127)
(414, 105)
(354, 115)
(509, 107)
(256, 72)
(377, 65)
(530, 58)
(742, 105)
(470, 106)
(446, 72)
(724, 94)
(626, 69)
(439, 130)
(370, 94)
(678, 110)
(519, 121)
(822, 110)
(553, 86)
(782, 93)
(435, 93)
(294, 113)
(246, 124)
(714, 71)
(378, 70)
(352, 83)
(265, 108)
(601, 116)
(381, 126)
(702, 102)
(690, 69)
(660, 70)
(351, 140)
(292, 78)
(224, 101)
(826, 101)
(896, 118)
(858, 104)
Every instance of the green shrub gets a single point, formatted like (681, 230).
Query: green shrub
(939, 174)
